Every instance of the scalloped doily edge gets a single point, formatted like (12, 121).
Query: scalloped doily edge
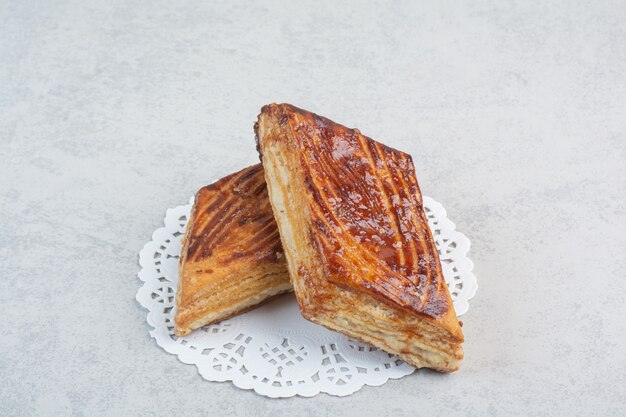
(242, 383)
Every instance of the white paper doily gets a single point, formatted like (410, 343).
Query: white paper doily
(272, 349)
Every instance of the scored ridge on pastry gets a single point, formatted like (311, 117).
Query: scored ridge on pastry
(360, 253)
(231, 258)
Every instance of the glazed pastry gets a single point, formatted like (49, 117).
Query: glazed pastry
(361, 256)
(232, 258)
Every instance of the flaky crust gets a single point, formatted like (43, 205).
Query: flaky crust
(232, 259)
(359, 249)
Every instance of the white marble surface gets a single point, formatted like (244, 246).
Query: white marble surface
(113, 111)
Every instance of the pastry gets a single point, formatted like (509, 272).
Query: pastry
(232, 258)
(360, 254)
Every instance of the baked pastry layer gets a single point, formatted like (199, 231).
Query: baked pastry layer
(360, 253)
(232, 259)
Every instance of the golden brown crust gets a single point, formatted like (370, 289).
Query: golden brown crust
(233, 208)
(357, 204)
(231, 258)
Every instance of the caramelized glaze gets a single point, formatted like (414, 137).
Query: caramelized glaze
(234, 213)
(368, 221)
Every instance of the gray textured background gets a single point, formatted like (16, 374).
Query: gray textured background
(113, 111)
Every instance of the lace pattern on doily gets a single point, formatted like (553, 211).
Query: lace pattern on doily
(272, 349)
